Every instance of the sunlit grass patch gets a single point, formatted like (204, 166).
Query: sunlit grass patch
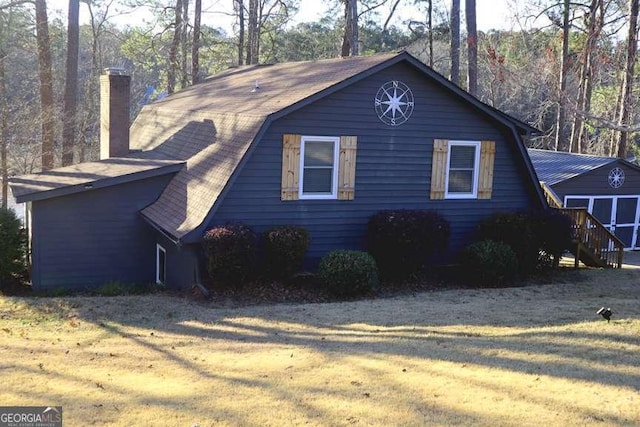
(522, 356)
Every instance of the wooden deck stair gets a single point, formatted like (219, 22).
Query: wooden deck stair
(594, 244)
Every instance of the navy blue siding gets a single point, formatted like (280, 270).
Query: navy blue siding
(596, 183)
(87, 239)
(182, 262)
(393, 165)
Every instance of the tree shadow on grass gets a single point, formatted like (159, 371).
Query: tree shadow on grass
(537, 331)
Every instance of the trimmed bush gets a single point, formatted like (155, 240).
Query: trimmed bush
(534, 237)
(519, 231)
(230, 252)
(490, 263)
(403, 241)
(284, 249)
(348, 273)
(12, 249)
(555, 233)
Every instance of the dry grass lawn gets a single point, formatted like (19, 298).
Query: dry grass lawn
(536, 355)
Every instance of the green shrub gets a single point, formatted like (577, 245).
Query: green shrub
(230, 252)
(555, 232)
(535, 237)
(348, 273)
(519, 231)
(488, 262)
(12, 249)
(402, 241)
(284, 249)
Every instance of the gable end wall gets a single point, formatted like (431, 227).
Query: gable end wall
(596, 182)
(393, 166)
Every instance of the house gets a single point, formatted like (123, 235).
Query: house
(321, 144)
(608, 187)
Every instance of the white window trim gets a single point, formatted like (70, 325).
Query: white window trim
(476, 170)
(334, 174)
(160, 249)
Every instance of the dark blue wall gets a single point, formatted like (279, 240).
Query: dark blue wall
(87, 239)
(393, 165)
(182, 263)
(596, 182)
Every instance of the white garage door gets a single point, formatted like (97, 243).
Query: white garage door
(620, 214)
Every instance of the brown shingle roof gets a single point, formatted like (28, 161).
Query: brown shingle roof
(211, 125)
(89, 175)
(280, 85)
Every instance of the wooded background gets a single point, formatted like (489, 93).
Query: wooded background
(574, 79)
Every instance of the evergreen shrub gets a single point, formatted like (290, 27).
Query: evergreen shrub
(230, 251)
(519, 231)
(402, 241)
(348, 273)
(13, 245)
(489, 263)
(284, 249)
(555, 233)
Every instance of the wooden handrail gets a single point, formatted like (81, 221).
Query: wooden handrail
(551, 197)
(591, 233)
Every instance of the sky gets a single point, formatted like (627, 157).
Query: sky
(491, 14)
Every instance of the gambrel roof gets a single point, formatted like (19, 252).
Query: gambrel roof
(207, 130)
(212, 125)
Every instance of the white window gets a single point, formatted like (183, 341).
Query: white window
(463, 163)
(319, 167)
(161, 265)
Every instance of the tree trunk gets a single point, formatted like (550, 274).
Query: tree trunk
(626, 105)
(184, 42)
(472, 47)
(239, 4)
(173, 49)
(350, 38)
(4, 167)
(454, 75)
(195, 48)
(252, 33)
(430, 24)
(564, 69)
(46, 83)
(583, 104)
(71, 84)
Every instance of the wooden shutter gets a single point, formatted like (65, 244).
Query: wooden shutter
(485, 181)
(290, 167)
(439, 168)
(347, 168)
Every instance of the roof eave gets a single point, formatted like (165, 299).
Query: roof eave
(95, 184)
(531, 171)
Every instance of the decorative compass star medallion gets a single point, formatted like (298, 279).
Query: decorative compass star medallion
(616, 177)
(394, 103)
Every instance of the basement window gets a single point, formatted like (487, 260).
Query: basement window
(161, 265)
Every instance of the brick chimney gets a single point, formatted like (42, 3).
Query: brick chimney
(114, 113)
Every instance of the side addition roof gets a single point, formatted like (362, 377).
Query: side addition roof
(88, 176)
